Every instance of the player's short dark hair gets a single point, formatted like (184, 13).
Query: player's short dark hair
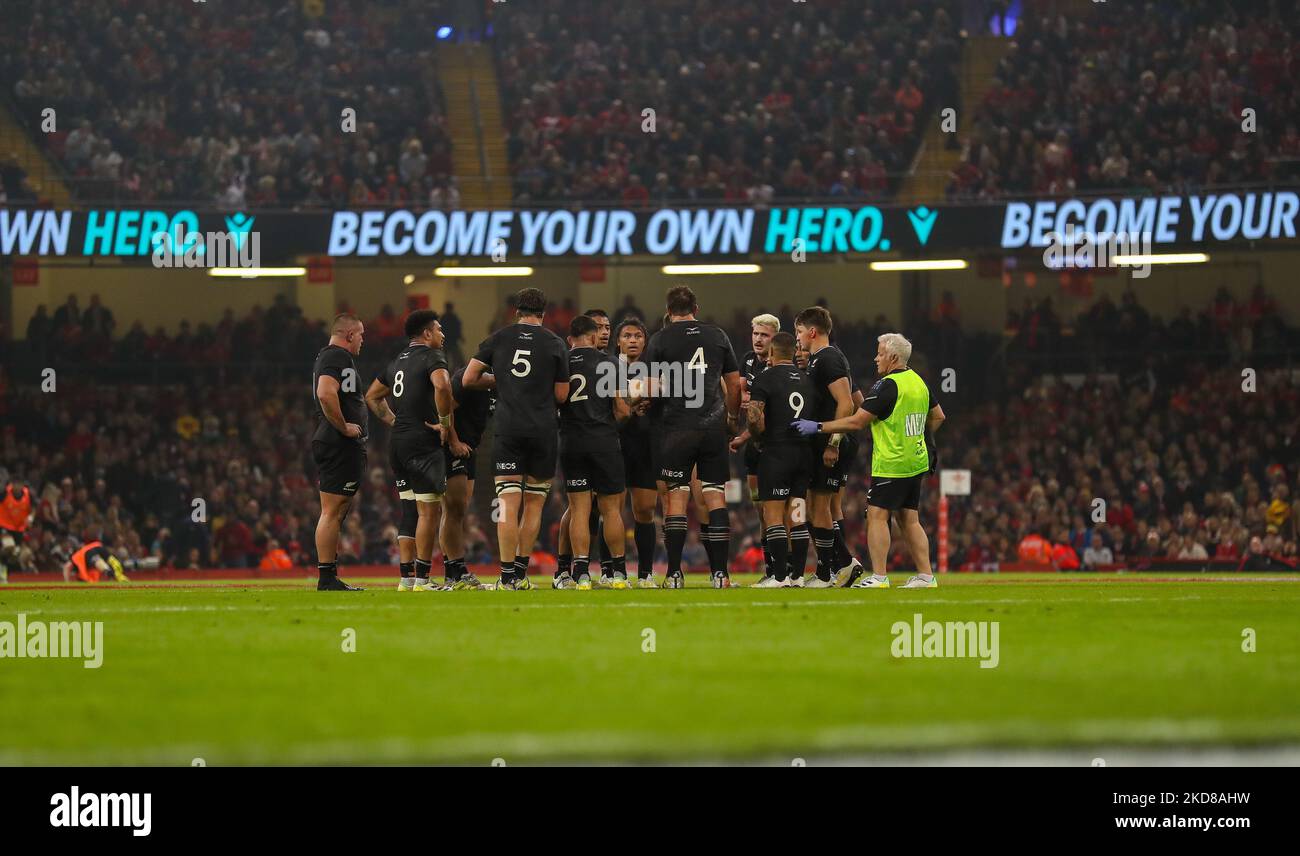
(343, 322)
(582, 325)
(681, 301)
(783, 345)
(597, 313)
(419, 321)
(531, 301)
(816, 317)
(631, 321)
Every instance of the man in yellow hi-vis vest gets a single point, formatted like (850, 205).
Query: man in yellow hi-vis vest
(903, 415)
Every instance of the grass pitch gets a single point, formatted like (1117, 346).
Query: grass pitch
(257, 673)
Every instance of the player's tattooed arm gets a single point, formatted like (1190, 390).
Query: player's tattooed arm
(757, 418)
(377, 401)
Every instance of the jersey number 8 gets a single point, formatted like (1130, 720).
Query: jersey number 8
(398, 386)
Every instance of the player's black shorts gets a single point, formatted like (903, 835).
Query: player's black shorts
(682, 451)
(783, 472)
(826, 478)
(895, 493)
(751, 457)
(466, 466)
(638, 462)
(532, 457)
(592, 465)
(339, 466)
(419, 468)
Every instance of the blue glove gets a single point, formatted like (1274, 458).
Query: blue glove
(805, 427)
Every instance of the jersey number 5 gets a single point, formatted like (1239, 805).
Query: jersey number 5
(519, 360)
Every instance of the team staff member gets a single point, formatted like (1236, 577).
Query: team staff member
(903, 414)
(338, 447)
(91, 561)
(530, 364)
(778, 397)
(471, 409)
(15, 517)
(420, 386)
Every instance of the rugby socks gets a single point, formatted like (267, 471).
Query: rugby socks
(767, 553)
(453, 569)
(598, 549)
(644, 536)
(618, 566)
(507, 571)
(563, 563)
(521, 567)
(720, 537)
(675, 540)
(422, 569)
(580, 567)
(824, 542)
(776, 565)
(842, 555)
(407, 569)
(327, 570)
(798, 551)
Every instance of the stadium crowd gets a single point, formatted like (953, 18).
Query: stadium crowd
(1188, 464)
(751, 101)
(1152, 101)
(149, 107)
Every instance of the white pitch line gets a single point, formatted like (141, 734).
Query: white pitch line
(666, 604)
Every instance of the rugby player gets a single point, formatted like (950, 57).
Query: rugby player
(762, 329)
(778, 397)
(691, 364)
(420, 386)
(338, 445)
(470, 410)
(829, 370)
(530, 364)
(639, 467)
(590, 454)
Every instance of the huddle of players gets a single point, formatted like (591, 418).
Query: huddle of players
(654, 440)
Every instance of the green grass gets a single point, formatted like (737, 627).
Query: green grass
(257, 675)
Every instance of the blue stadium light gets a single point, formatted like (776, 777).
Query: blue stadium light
(444, 33)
